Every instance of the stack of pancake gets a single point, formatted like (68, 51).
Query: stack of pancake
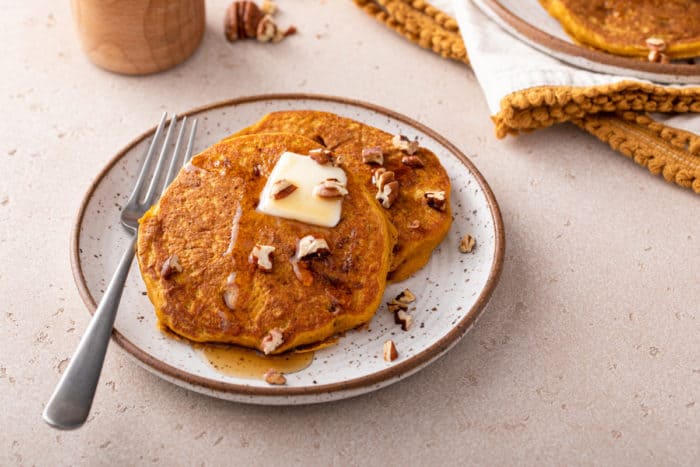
(624, 27)
(219, 270)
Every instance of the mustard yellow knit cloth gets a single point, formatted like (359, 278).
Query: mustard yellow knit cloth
(616, 114)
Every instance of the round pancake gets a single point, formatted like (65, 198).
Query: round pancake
(621, 27)
(420, 227)
(207, 218)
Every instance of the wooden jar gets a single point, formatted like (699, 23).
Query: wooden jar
(139, 36)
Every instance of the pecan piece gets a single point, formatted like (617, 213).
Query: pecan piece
(268, 31)
(656, 43)
(272, 341)
(387, 186)
(404, 319)
(260, 256)
(311, 247)
(282, 188)
(321, 156)
(381, 177)
(657, 57)
(405, 144)
(373, 155)
(414, 162)
(388, 194)
(466, 244)
(389, 351)
(242, 20)
(170, 266)
(275, 377)
(406, 296)
(330, 188)
(395, 306)
(436, 199)
(656, 47)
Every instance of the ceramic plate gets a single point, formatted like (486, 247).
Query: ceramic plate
(452, 289)
(530, 22)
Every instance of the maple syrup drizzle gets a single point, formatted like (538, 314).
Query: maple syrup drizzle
(242, 362)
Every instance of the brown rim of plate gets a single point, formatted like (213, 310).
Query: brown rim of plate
(549, 41)
(393, 371)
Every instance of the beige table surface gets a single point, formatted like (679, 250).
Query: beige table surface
(588, 353)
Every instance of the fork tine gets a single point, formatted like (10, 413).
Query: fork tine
(176, 154)
(158, 171)
(190, 143)
(147, 160)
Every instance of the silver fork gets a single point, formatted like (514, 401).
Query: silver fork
(70, 403)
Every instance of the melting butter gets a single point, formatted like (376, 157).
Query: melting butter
(302, 204)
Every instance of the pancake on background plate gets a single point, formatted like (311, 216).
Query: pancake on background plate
(622, 27)
(419, 176)
(206, 254)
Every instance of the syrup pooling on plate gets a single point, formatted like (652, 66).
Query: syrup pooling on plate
(240, 362)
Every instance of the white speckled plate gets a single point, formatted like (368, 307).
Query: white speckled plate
(530, 22)
(452, 289)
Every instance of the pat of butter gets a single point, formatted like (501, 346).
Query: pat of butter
(302, 204)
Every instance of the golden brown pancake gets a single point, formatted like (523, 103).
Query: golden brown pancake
(621, 27)
(207, 219)
(420, 227)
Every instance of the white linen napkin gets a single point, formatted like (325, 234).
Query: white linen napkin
(504, 65)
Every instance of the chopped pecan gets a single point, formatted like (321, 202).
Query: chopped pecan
(388, 194)
(389, 351)
(436, 199)
(311, 247)
(381, 177)
(268, 31)
(657, 57)
(395, 306)
(321, 156)
(406, 296)
(242, 20)
(466, 244)
(404, 319)
(170, 266)
(272, 341)
(330, 188)
(414, 162)
(373, 155)
(260, 256)
(656, 47)
(656, 43)
(282, 188)
(405, 144)
(275, 377)
(415, 224)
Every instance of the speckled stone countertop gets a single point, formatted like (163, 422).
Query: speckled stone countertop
(588, 352)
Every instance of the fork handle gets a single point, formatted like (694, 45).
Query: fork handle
(70, 403)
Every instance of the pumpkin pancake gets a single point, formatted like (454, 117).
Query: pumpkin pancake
(420, 227)
(202, 253)
(621, 27)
